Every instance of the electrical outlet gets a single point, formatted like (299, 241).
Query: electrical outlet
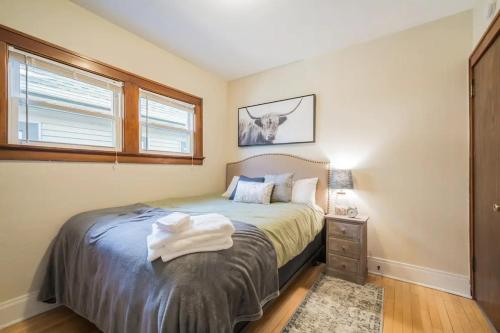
(378, 267)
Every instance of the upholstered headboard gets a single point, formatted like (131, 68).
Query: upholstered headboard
(260, 165)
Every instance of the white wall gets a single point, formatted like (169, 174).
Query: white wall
(36, 198)
(395, 111)
(481, 19)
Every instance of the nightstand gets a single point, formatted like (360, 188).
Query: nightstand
(346, 248)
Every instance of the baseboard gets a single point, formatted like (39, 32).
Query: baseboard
(428, 277)
(20, 308)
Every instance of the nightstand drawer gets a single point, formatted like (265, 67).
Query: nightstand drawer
(344, 247)
(343, 264)
(345, 230)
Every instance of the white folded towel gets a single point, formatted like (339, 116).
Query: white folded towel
(174, 222)
(211, 225)
(228, 243)
(188, 246)
(209, 232)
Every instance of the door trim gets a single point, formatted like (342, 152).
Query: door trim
(484, 43)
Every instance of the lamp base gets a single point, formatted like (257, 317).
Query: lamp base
(341, 203)
(340, 210)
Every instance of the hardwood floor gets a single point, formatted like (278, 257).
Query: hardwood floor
(407, 308)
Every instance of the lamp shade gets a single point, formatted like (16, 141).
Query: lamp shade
(341, 179)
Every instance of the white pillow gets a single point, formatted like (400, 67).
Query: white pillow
(253, 192)
(231, 187)
(304, 191)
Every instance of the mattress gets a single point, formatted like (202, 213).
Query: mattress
(289, 226)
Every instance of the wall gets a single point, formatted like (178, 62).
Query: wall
(481, 19)
(36, 198)
(395, 111)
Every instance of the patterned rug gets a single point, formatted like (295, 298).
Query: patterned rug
(334, 305)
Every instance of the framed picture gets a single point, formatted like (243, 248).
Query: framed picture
(286, 121)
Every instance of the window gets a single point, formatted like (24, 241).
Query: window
(54, 105)
(166, 124)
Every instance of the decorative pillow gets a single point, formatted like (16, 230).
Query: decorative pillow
(252, 192)
(246, 179)
(282, 187)
(231, 187)
(304, 191)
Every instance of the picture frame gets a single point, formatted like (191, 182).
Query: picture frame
(285, 121)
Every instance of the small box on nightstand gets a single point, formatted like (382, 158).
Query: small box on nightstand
(346, 247)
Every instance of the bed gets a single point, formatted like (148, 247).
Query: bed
(97, 265)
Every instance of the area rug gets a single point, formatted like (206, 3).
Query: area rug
(334, 305)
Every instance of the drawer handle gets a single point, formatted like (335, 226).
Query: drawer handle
(343, 230)
(343, 266)
(343, 248)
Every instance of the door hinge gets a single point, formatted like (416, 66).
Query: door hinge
(471, 88)
(473, 264)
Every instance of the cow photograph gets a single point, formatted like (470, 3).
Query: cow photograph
(280, 122)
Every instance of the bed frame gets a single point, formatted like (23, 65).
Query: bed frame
(260, 165)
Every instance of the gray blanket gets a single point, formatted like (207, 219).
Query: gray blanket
(98, 268)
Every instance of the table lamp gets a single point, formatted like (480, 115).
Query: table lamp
(342, 180)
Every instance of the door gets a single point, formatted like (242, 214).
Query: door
(486, 181)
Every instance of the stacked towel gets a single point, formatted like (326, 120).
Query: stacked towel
(174, 222)
(209, 232)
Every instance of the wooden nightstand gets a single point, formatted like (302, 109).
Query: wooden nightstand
(346, 248)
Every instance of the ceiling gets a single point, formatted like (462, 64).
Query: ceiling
(236, 38)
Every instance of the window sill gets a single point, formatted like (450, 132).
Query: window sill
(30, 153)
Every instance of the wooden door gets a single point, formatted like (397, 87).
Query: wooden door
(485, 118)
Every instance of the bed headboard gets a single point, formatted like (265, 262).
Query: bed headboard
(260, 165)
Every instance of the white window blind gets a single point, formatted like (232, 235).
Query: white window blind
(166, 124)
(55, 105)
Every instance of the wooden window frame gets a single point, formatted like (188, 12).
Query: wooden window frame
(132, 83)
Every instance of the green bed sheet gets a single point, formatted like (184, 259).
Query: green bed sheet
(290, 226)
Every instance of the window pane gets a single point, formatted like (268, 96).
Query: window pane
(64, 107)
(165, 140)
(165, 128)
(165, 114)
(54, 126)
(46, 87)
